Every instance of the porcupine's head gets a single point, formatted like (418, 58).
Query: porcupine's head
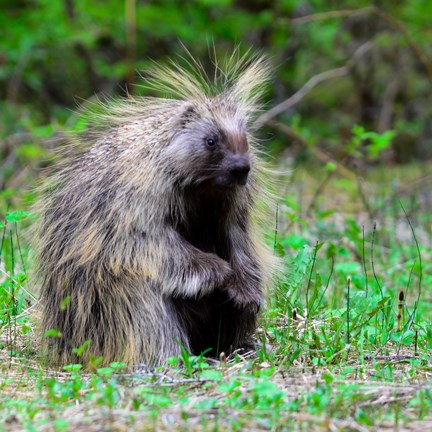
(212, 144)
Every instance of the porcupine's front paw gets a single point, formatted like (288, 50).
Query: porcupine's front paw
(218, 272)
(245, 299)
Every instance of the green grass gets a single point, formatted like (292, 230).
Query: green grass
(334, 355)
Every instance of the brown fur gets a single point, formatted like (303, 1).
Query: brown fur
(150, 232)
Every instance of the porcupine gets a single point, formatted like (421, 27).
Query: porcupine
(147, 236)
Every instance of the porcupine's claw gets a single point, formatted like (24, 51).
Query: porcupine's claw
(243, 300)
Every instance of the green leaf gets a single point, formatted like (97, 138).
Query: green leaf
(118, 365)
(25, 329)
(330, 167)
(348, 268)
(64, 303)
(72, 367)
(16, 216)
(53, 333)
(80, 350)
(105, 371)
(173, 361)
(211, 374)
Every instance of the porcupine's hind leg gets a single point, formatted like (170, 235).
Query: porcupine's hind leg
(156, 332)
(214, 324)
(120, 321)
(234, 327)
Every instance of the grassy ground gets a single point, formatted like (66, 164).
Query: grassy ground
(346, 336)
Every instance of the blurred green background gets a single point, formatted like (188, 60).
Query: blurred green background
(369, 66)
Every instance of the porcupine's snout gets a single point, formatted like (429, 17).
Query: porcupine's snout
(239, 170)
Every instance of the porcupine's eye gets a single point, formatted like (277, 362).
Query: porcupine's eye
(211, 142)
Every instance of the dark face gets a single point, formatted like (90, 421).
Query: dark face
(229, 156)
(210, 152)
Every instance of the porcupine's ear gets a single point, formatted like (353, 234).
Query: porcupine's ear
(188, 115)
(252, 72)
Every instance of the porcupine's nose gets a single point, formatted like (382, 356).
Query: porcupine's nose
(240, 168)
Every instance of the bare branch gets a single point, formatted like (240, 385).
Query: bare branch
(330, 15)
(300, 94)
(313, 82)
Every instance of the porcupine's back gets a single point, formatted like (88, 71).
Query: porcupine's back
(88, 221)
